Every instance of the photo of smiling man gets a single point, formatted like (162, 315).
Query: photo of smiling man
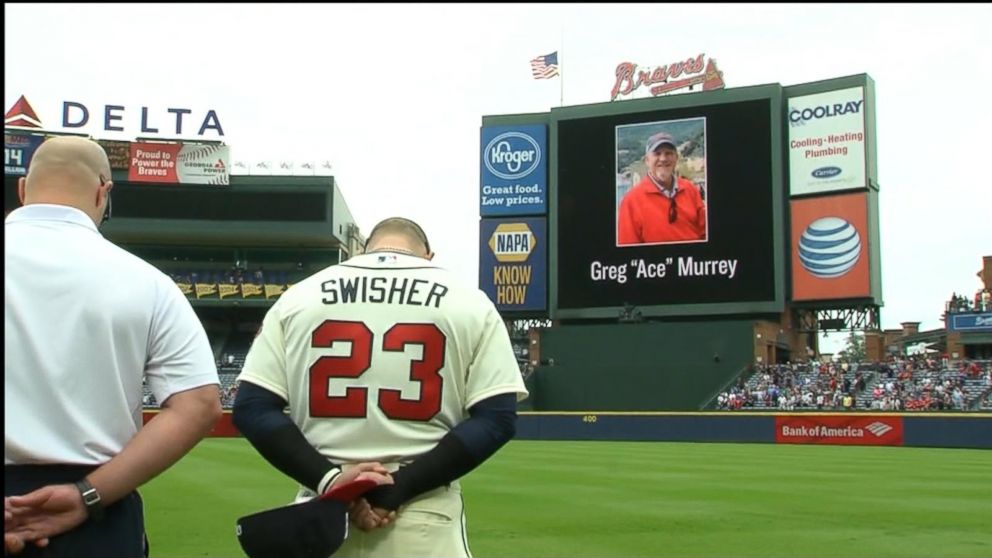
(661, 182)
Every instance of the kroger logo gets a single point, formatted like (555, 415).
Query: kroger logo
(826, 172)
(512, 155)
(829, 247)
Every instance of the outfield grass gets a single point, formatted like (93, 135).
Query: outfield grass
(650, 499)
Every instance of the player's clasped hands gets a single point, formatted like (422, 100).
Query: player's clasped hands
(360, 512)
(367, 518)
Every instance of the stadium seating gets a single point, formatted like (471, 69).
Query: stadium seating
(901, 385)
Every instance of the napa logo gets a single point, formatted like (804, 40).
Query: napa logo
(512, 155)
(829, 247)
(512, 242)
(826, 172)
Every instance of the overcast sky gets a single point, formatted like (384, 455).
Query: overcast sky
(393, 96)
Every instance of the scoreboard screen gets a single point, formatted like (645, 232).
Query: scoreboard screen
(669, 206)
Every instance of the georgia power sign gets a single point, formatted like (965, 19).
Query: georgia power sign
(514, 170)
(141, 120)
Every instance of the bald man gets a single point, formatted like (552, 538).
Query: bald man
(85, 323)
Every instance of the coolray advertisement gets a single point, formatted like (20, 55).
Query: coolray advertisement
(513, 262)
(830, 247)
(827, 141)
(699, 185)
(514, 163)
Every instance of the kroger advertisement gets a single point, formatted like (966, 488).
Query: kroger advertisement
(514, 162)
(512, 262)
(827, 142)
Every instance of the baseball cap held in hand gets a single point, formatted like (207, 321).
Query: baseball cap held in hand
(313, 529)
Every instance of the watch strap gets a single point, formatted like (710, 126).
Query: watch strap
(91, 499)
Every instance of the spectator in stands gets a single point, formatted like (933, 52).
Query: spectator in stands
(85, 322)
(957, 398)
(848, 402)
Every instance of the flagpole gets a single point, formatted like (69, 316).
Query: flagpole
(561, 70)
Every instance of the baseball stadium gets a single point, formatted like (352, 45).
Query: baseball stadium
(679, 403)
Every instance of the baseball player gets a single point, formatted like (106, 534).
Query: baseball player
(385, 358)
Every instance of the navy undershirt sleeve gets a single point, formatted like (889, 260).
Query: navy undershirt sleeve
(491, 423)
(258, 414)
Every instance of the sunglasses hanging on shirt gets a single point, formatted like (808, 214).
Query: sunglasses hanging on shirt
(107, 210)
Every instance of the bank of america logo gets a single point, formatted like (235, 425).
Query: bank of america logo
(878, 428)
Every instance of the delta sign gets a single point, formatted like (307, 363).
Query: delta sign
(75, 115)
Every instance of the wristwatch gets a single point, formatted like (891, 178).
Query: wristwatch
(91, 499)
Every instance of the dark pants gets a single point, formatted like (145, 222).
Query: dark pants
(120, 534)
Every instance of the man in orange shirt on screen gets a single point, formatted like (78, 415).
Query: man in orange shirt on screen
(662, 207)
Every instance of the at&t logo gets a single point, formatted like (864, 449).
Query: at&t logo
(512, 155)
(829, 247)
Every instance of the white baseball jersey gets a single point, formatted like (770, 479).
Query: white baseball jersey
(381, 356)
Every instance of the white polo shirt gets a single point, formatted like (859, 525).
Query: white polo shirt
(84, 322)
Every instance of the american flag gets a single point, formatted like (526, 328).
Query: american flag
(544, 67)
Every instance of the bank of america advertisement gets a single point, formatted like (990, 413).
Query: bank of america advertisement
(827, 142)
(513, 259)
(514, 164)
